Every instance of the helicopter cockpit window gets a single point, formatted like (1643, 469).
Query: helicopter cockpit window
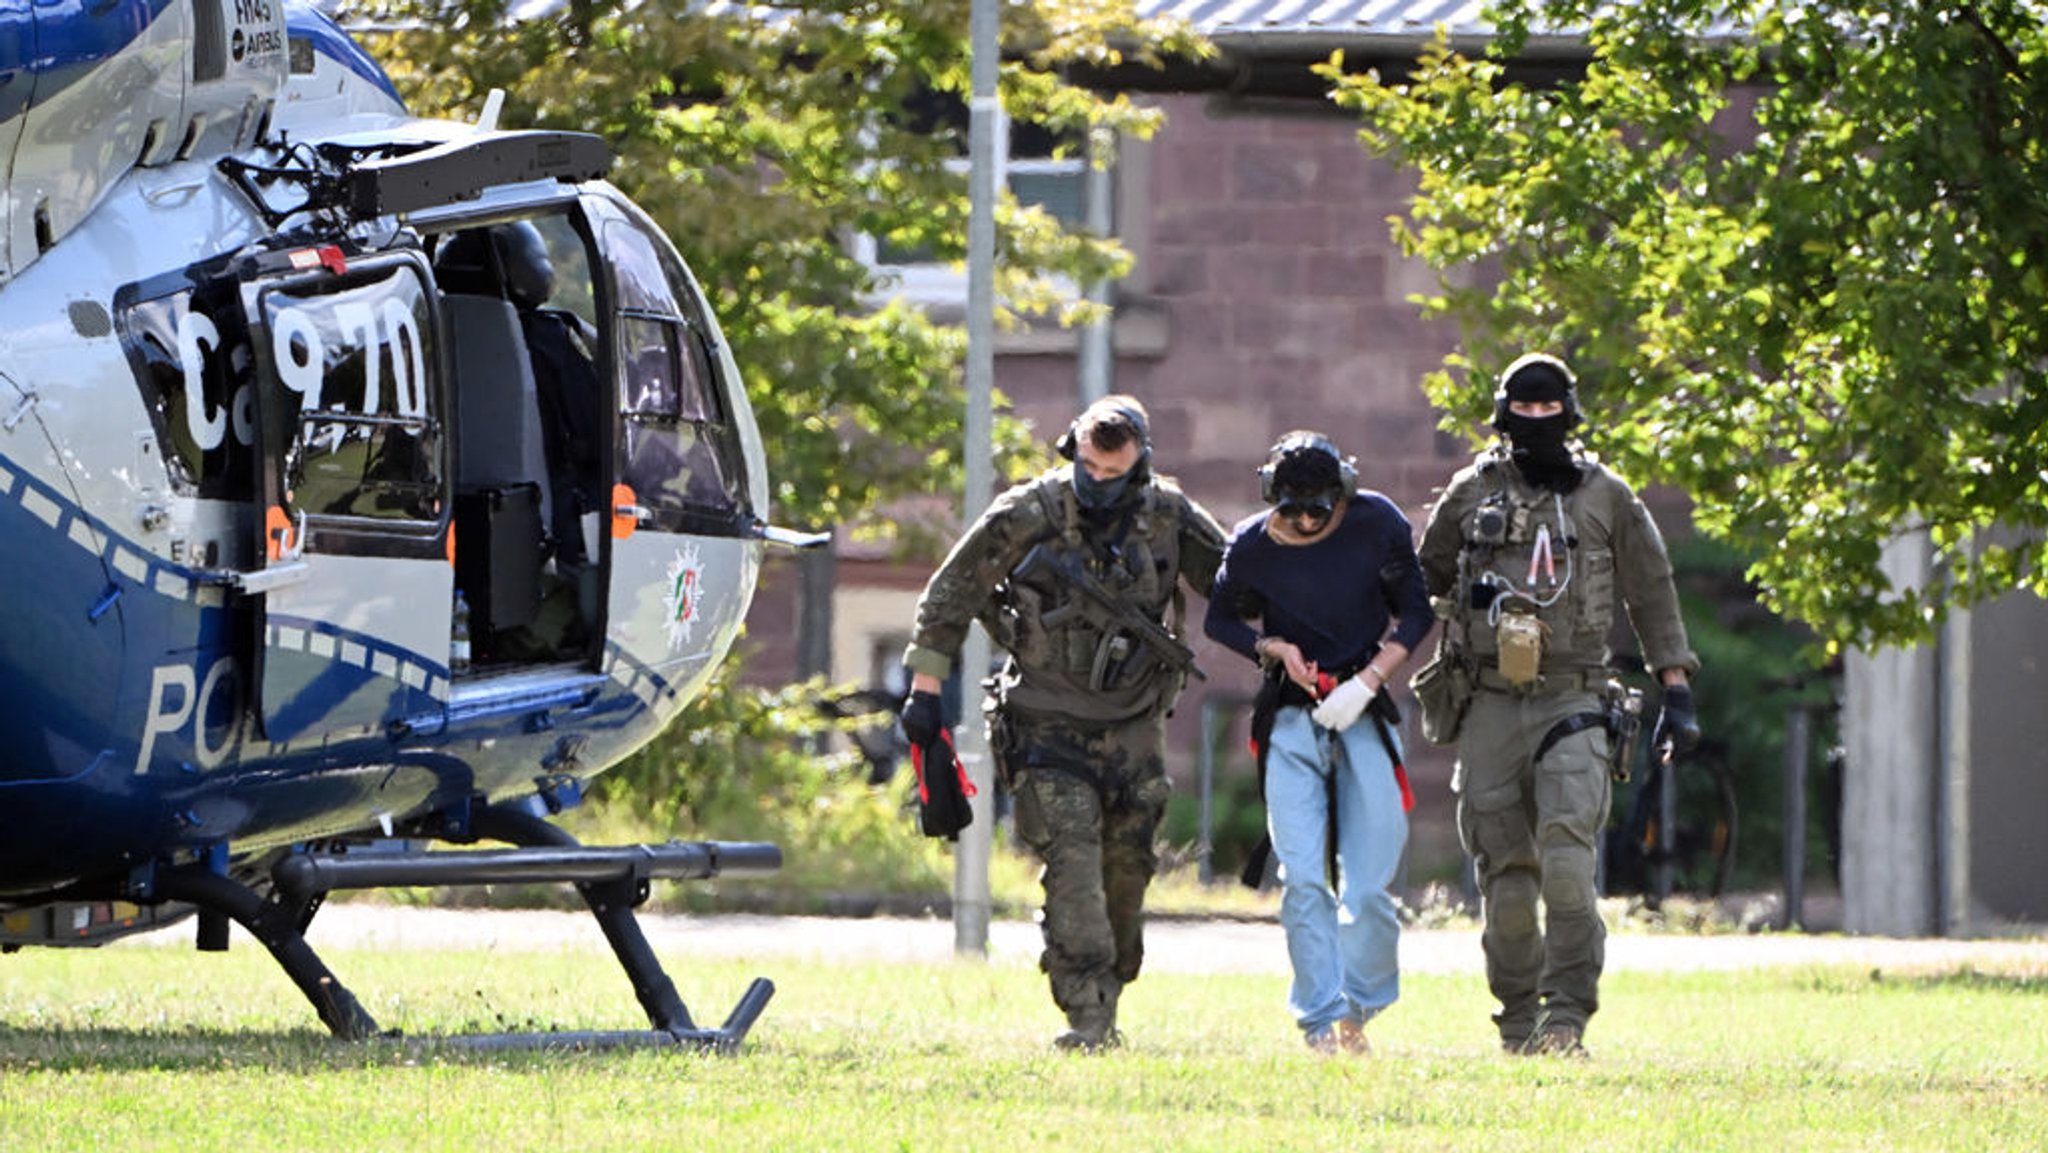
(351, 355)
(681, 450)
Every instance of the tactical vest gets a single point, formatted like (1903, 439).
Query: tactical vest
(1533, 551)
(1067, 655)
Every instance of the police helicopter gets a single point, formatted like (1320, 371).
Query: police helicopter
(366, 482)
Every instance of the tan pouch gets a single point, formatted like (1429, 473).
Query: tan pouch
(1520, 640)
(1444, 689)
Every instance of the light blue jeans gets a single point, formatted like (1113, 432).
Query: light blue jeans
(1344, 944)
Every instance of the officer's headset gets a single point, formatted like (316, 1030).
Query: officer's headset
(1068, 445)
(1299, 442)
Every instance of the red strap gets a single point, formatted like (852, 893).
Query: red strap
(966, 782)
(1407, 794)
(924, 792)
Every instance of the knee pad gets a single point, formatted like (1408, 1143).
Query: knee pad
(1568, 879)
(1511, 903)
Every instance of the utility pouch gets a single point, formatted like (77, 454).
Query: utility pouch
(1113, 655)
(1624, 708)
(1519, 639)
(1444, 689)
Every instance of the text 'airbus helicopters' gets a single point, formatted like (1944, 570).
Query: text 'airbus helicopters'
(364, 481)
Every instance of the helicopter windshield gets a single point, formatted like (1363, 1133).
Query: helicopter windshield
(681, 446)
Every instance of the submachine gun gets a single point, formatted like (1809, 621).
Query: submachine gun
(1128, 632)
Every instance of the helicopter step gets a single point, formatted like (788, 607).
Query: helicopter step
(613, 881)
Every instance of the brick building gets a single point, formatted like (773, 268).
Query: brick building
(1267, 295)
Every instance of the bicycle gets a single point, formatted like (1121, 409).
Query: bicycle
(1680, 833)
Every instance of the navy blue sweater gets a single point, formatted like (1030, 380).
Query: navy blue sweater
(1333, 599)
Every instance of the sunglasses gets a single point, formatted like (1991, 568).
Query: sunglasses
(1318, 509)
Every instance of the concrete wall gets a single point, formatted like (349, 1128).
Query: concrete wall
(1945, 798)
(2007, 843)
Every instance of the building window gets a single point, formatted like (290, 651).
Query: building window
(1040, 168)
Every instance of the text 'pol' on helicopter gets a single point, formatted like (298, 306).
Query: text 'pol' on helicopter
(365, 481)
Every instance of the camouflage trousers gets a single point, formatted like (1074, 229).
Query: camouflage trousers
(1088, 799)
(1532, 830)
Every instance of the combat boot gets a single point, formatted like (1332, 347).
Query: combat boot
(1556, 1039)
(1091, 1028)
(1516, 1025)
(1080, 1040)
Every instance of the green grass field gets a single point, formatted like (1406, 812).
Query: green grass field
(162, 1048)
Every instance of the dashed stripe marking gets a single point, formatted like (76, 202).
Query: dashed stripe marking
(146, 570)
(42, 507)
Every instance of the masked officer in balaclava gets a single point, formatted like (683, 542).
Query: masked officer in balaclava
(1526, 554)
(1067, 572)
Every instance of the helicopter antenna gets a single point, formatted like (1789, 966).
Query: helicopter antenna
(487, 120)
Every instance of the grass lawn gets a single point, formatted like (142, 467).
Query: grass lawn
(162, 1048)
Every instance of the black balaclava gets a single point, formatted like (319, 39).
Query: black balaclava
(1538, 444)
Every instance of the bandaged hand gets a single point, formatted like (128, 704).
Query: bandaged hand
(1344, 705)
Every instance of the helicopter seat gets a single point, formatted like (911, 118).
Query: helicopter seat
(500, 500)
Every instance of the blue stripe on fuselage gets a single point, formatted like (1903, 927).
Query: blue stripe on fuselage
(47, 46)
(78, 798)
(327, 38)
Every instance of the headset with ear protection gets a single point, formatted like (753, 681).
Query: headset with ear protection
(1542, 371)
(1069, 443)
(1297, 442)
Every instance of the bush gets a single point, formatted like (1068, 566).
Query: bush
(748, 764)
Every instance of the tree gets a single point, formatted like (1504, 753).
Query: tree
(761, 137)
(1799, 251)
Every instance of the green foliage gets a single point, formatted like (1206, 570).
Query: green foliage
(747, 764)
(1804, 272)
(763, 138)
(1237, 819)
(1237, 811)
(1754, 668)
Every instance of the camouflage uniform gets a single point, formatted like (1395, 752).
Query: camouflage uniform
(1078, 738)
(1532, 827)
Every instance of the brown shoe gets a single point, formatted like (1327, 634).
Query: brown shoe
(1351, 1038)
(1346, 1036)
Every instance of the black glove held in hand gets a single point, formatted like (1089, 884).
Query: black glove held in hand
(922, 719)
(1678, 725)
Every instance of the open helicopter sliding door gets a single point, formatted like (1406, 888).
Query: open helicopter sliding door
(356, 580)
(685, 535)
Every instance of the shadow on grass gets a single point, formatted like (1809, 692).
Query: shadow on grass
(106, 1050)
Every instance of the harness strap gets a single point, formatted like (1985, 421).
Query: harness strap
(1576, 723)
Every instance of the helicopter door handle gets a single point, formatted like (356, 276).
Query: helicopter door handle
(627, 513)
(277, 576)
(787, 537)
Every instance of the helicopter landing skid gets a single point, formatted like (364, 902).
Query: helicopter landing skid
(612, 879)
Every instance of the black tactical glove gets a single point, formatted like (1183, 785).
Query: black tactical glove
(1678, 725)
(922, 719)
